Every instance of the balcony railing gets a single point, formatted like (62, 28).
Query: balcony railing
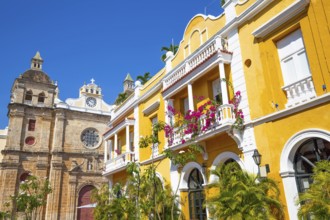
(300, 91)
(193, 61)
(224, 116)
(119, 161)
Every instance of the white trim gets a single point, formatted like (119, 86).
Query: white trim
(287, 166)
(292, 10)
(186, 170)
(286, 112)
(220, 159)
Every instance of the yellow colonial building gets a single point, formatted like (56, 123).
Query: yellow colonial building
(273, 57)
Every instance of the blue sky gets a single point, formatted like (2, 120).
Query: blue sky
(84, 39)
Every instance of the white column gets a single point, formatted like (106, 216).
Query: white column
(116, 143)
(105, 151)
(190, 97)
(128, 148)
(223, 84)
(110, 149)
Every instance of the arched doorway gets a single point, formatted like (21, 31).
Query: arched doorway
(196, 195)
(85, 199)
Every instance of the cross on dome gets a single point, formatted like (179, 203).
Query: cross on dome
(92, 81)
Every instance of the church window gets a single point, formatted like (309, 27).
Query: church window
(196, 195)
(24, 176)
(32, 125)
(41, 98)
(30, 140)
(28, 96)
(92, 90)
(90, 138)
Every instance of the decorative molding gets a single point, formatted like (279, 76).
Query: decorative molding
(291, 11)
(286, 112)
(151, 107)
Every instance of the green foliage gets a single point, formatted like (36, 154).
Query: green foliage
(145, 78)
(142, 197)
(223, 2)
(242, 196)
(173, 48)
(5, 214)
(316, 200)
(121, 98)
(32, 196)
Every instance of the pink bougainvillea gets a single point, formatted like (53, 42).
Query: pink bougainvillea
(206, 117)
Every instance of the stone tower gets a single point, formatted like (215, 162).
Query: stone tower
(54, 139)
(128, 84)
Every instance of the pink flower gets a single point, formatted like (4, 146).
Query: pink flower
(183, 141)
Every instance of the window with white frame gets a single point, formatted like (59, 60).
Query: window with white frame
(154, 121)
(293, 58)
(216, 89)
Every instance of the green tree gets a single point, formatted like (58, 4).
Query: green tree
(115, 203)
(121, 98)
(173, 48)
(243, 196)
(32, 196)
(143, 197)
(101, 197)
(144, 78)
(316, 200)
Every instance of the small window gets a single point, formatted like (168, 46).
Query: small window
(28, 96)
(41, 98)
(32, 125)
(92, 90)
(30, 140)
(24, 176)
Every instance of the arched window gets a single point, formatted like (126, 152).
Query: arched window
(41, 98)
(310, 152)
(196, 195)
(28, 96)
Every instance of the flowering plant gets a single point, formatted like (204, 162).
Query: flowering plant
(206, 117)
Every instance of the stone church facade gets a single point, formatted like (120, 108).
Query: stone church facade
(53, 139)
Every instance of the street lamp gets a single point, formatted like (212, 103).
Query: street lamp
(257, 157)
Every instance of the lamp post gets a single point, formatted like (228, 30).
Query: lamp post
(257, 159)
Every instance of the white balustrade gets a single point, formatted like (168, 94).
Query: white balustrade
(300, 91)
(119, 161)
(224, 115)
(193, 61)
